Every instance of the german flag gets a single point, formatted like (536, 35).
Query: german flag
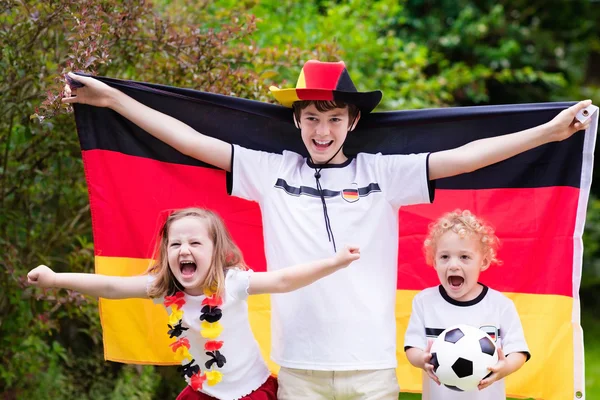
(536, 200)
(350, 195)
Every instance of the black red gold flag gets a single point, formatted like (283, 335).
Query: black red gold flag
(536, 200)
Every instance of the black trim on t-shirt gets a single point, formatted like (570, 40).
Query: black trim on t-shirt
(433, 332)
(229, 174)
(325, 166)
(430, 183)
(527, 354)
(314, 192)
(464, 303)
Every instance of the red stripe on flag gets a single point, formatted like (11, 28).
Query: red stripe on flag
(129, 194)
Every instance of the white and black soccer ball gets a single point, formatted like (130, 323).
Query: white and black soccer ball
(461, 356)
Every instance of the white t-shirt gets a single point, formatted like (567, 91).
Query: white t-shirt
(245, 369)
(344, 321)
(433, 311)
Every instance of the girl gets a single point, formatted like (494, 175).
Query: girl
(200, 277)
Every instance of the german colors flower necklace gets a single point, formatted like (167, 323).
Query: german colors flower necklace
(210, 329)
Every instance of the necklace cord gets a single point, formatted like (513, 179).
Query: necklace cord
(320, 189)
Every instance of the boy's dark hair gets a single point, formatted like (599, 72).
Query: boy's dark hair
(325, 105)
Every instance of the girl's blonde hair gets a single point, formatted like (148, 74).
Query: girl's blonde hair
(462, 223)
(225, 255)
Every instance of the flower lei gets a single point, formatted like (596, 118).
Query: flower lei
(210, 329)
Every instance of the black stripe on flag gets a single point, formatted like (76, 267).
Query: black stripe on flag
(269, 127)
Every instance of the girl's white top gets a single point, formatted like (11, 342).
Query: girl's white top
(245, 369)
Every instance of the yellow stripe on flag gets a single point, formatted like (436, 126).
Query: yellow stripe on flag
(135, 331)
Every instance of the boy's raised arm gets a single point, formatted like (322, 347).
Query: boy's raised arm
(173, 132)
(484, 152)
(108, 287)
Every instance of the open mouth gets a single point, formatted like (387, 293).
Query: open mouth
(187, 268)
(322, 144)
(455, 282)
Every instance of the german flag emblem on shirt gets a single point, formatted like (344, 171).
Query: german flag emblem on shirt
(491, 330)
(350, 195)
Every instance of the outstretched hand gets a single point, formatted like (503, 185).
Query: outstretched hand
(41, 276)
(346, 255)
(426, 362)
(564, 125)
(93, 92)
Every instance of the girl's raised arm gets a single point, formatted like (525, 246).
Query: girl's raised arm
(297, 276)
(108, 287)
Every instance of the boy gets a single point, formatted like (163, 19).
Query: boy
(460, 246)
(322, 335)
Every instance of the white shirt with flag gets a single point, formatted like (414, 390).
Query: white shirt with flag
(345, 321)
(433, 311)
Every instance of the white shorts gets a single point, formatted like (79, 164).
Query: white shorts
(300, 384)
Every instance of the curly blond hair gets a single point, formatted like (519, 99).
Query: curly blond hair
(225, 255)
(463, 223)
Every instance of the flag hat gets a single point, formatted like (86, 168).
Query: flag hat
(328, 81)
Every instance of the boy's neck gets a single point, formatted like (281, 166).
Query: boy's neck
(338, 160)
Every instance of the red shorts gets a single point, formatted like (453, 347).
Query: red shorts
(267, 391)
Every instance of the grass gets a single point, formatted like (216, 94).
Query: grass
(591, 338)
(591, 330)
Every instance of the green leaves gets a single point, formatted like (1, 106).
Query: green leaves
(424, 54)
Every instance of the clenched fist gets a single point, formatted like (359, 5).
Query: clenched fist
(41, 276)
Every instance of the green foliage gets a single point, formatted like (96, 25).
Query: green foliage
(434, 53)
(591, 249)
(591, 338)
(135, 383)
(421, 53)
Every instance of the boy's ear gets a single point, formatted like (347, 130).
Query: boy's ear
(296, 122)
(355, 122)
(485, 264)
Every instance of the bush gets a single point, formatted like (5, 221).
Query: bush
(53, 348)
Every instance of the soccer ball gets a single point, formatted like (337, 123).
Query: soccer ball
(461, 356)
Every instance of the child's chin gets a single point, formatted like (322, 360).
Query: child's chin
(187, 280)
(455, 293)
(320, 158)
